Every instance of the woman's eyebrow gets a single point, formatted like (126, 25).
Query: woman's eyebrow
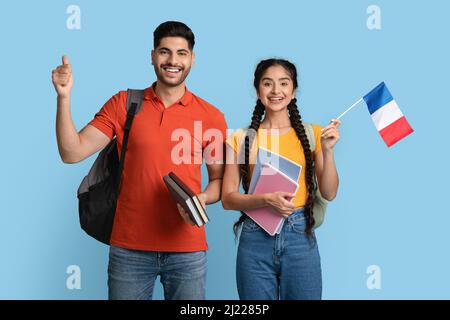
(281, 79)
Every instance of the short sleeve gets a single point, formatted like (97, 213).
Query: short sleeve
(317, 133)
(234, 140)
(106, 119)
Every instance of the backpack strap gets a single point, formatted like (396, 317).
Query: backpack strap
(310, 134)
(312, 143)
(135, 96)
(134, 103)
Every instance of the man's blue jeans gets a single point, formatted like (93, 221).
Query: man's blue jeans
(285, 266)
(132, 274)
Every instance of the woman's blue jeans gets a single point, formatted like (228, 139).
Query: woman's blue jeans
(285, 266)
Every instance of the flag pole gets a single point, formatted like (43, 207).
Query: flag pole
(350, 108)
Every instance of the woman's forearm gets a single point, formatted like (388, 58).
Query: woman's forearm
(329, 180)
(243, 202)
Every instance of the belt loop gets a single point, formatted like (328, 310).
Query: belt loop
(296, 213)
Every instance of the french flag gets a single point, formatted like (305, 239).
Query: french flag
(386, 115)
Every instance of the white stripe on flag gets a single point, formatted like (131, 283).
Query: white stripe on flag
(386, 115)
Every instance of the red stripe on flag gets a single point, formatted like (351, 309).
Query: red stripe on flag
(396, 131)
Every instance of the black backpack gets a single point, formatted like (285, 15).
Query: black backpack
(99, 190)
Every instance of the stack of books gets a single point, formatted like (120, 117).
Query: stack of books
(272, 173)
(184, 195)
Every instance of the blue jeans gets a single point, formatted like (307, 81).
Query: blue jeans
(132, 274)
(285, 266)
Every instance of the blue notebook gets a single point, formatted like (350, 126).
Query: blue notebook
(264, 156)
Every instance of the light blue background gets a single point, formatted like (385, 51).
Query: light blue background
(390, 210)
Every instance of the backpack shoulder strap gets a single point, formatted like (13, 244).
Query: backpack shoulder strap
(312, 143)
(135, 96)
(310, 134)
(134, 103)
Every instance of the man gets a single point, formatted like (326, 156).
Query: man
(150, 236)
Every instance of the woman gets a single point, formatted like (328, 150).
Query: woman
(287, 265)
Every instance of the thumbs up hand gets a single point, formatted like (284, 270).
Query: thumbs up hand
(62, 78)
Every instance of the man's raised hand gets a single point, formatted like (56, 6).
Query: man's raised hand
(62, 78)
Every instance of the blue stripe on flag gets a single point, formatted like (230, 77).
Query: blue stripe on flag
(378, 97)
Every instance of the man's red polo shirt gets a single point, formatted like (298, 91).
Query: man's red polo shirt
(146, 216)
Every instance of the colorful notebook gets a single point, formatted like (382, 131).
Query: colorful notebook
(271, 180)
(288, 167)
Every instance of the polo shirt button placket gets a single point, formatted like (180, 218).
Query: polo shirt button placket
(162, 118)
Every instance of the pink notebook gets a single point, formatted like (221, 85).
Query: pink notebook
(271, 180)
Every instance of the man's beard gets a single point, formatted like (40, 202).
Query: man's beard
(184, 74)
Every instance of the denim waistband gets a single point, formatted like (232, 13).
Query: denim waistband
(298, 214)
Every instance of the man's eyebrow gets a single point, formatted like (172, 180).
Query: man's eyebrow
(167, 49)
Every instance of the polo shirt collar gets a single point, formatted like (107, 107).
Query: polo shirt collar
(150, 94)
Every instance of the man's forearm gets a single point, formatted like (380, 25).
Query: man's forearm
(66, 133)
(212, 191)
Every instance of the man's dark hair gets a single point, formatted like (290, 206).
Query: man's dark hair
(173, 29)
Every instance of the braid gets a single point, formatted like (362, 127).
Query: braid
(244, 168)
(297, 124)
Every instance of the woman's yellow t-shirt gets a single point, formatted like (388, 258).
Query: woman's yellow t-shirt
(287, 145)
